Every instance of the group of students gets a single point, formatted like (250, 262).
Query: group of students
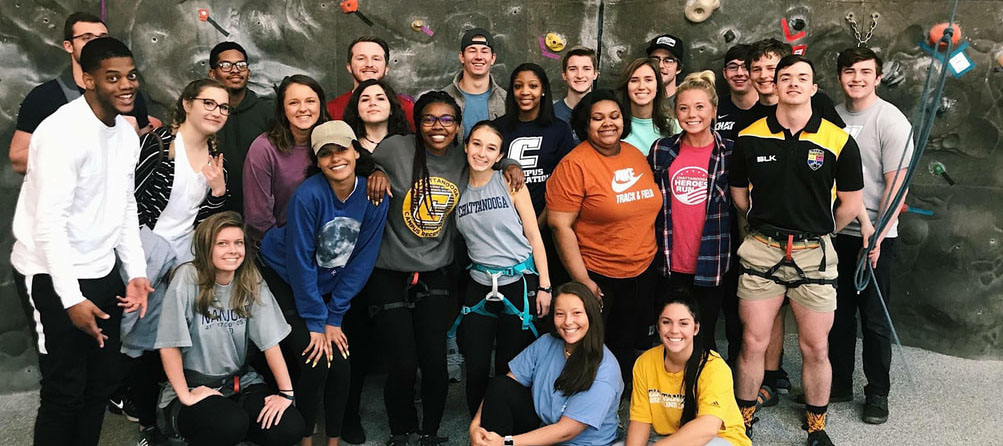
(249, 240)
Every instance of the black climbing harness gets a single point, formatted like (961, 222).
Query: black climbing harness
(785, 239)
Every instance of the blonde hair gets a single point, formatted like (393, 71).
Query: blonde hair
(246, 281)
(703, 80)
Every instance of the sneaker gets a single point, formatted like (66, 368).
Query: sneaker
(768, 397)
(398, 440)
(152, 436)
(875, 409)
(819, 438)
(454, 360)
(432, 440)
(748, 427)
(352, 431)
(783, 381)
(124, 406)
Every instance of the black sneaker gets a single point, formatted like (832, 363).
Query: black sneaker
(398, 440)
(819, 438)
(783, 381)
(124, 406)
(767, 397)
(875, 409)
(432, 440)
(352, 432)
(152, 436)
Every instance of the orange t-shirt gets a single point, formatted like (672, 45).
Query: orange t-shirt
(617, 201)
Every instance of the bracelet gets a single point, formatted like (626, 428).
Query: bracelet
(288, 397)
(290, 390)
(545, 289)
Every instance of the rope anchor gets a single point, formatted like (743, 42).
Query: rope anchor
(851, 18)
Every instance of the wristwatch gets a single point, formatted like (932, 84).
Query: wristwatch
(545, 289)
(509, 441)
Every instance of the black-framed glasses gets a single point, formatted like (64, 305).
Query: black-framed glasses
(228, 66)
(733, 67)
(87, 37)
(664, 60)
(445, 120)
(211, 105)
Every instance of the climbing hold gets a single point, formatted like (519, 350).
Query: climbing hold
(555, 42)
(546, 51)
(893, 74)
(417, 25)
(798, 24)
(937, 33)
(352, 7)
(729, 36)
(697, 11)
(938, 168)
(204, 17)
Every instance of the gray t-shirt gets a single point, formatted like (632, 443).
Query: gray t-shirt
(215, 346)
(882, 133)
(489, 222)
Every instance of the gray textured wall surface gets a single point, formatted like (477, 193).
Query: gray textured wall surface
(948, 288)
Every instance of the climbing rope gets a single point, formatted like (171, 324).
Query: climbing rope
(923, 119)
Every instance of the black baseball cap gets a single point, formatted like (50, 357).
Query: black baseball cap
(667, 42)
(477, 36)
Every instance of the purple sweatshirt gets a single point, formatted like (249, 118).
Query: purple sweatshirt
(270, 178)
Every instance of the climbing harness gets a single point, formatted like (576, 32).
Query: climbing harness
(416, 292)
(852, 19)
(495, 298)
(788, 241)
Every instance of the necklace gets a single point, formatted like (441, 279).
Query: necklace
(567, 354)
(371, 141)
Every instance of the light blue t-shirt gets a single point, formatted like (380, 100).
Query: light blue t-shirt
(475, 109)
(642, 134)
(539, 365)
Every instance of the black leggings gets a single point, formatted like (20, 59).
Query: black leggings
(145, 375)
(313, 384)
(219, 420)
(628, 315)
(412, 322)
(508, 408)
(480, 334)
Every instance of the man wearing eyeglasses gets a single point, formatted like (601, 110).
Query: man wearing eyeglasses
(249, 114)
(45, 99)
(742, 98)
(667, 52)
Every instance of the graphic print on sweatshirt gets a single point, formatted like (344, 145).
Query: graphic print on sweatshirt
(336, 242)
(433, 208)
(526, 150)
(689, 185)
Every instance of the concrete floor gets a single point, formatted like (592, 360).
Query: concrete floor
(950, 401)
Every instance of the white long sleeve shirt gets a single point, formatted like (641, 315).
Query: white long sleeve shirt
(76, 208)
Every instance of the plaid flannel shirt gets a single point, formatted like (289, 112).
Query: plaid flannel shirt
(714, 257)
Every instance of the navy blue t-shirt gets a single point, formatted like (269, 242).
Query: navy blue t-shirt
(538, 149)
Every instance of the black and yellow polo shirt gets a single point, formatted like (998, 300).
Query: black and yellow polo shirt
(794, 178)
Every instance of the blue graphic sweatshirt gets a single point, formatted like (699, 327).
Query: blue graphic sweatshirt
(326, 247)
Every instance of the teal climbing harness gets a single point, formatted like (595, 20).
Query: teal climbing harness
(493, 296)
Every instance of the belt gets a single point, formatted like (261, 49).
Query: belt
(782, 244)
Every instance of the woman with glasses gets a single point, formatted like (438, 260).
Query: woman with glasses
(180, 181)
(409, 291)
(277, 160)
(645, 105)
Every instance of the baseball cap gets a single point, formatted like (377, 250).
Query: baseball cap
(477, 36)
(331, 132)
(667, 42)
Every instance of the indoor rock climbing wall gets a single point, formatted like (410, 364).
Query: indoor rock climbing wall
(948, 290)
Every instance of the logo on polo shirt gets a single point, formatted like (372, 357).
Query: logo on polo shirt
(816, 157)
(623, 179)
(766, 158)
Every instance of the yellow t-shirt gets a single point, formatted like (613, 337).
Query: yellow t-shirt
(658, 396)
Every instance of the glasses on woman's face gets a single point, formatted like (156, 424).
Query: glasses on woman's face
(211, 105)
(444, 120)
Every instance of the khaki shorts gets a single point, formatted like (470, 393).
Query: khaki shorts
(756, 253)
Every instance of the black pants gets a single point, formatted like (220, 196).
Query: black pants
(709, 300)
(77, 376)
(628, 315)
(729, 308)
(508, 408)
(480, 334)
(145, 375)
(220, 421)
(412, 322)
(314, 384)
(358, 327)
(874, 325)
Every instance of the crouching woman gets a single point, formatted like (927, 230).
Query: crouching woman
(214, 307)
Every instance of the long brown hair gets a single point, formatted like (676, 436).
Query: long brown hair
(583, 364)
(246, 280)
(280, 135)
(661, 116)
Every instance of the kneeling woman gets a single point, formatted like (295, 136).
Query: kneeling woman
(318, 262)
(562, 389)
(213, 308)
(506, 250)
(681, 389)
